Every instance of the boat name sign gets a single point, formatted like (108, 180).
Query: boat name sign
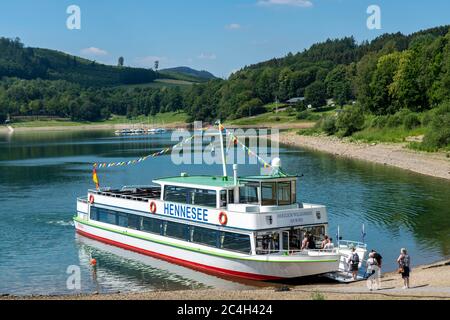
(187, 212)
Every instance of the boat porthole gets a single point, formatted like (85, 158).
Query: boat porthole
(223, 219)
(153, 207)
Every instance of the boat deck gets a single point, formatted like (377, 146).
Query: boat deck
(131, 193)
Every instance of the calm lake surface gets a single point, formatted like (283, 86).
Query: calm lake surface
(41, 175)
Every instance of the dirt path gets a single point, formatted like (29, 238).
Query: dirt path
(431, 164)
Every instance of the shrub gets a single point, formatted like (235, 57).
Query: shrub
(329, 125)
(411, 121)
(379, 122)
(350, 120)
(393, 120)
(438, 133)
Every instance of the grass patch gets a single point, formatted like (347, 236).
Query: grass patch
(398, 134)
(317, 296)
(267, 118)
(158, 119)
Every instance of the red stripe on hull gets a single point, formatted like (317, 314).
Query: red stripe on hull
(185, 263)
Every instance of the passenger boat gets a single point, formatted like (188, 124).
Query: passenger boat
(244, 226)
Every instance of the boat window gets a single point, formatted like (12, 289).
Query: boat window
(175, 194)
(202, 197)
(249, 193)
(106, 216)
(134, 221)
(235, 242)
(293, 191)
(204, 236)
(223, 198)
(151, 225)
(268, 242)
(93, 213)
(122, 220)
(268, 194)
(230, 196)
(176, 230)
(284, 193)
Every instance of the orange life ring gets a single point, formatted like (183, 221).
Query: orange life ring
(91, 199)
(153, 207)
(223, 219)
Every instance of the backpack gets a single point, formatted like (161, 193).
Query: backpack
(354, 259)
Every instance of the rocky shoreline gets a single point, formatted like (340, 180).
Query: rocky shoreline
(397, 155)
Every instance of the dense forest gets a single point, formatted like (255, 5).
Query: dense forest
(394, 78)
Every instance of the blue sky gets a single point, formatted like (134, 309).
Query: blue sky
(217, 35)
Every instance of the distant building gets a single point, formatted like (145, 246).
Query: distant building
(296, 100)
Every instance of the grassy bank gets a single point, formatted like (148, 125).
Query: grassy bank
(159, 119)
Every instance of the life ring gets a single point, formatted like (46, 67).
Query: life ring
(223, 219)
(91, 199)
(153, 207)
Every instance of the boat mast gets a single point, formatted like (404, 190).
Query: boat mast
(224, 165)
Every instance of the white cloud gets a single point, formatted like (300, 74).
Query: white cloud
(149, 61)
(233, 26)
(292, 3)
(207, 56)
(93, 51)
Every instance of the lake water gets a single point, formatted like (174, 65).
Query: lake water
(41, 175)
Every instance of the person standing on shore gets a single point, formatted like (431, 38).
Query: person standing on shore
(379, 259)
(353, 261)
(404, 263)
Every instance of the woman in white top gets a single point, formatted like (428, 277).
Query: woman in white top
(372, 268)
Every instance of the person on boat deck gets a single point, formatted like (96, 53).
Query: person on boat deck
(311, 242)
(404, 263)
(353, 261)
(324, 242)
(305, 242)
(329, 245)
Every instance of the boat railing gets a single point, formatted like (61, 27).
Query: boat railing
(118, 195)
(298, 252)
(82, 199)
(351, 244)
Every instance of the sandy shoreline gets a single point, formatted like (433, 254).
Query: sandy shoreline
(427, 282)
(431, 164)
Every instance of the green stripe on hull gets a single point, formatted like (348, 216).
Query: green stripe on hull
(178, 246)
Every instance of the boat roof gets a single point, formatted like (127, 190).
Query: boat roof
(216, 181)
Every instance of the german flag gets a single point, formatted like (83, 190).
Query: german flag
(95, 178)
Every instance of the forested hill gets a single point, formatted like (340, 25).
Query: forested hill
(391, 72)
(18, 61)
(188, 73)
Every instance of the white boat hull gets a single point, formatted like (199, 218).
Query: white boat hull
(258, 267)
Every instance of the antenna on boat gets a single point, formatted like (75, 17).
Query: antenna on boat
(224, 164)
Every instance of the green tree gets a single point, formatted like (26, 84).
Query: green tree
(316, 94)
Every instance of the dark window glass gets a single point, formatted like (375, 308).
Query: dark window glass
(235, 242)
(223, 198)
(231, 196)
(201, 197)
(249, 193)
(175, 194)
(106, 216)
(94, 214)
(268, 194)
(204, 236)
(151, 225)
(134, 222)
(122, 220)
(176, 230)
(284, 193)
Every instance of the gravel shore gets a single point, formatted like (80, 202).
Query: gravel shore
(427, 282)
(397, 155)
